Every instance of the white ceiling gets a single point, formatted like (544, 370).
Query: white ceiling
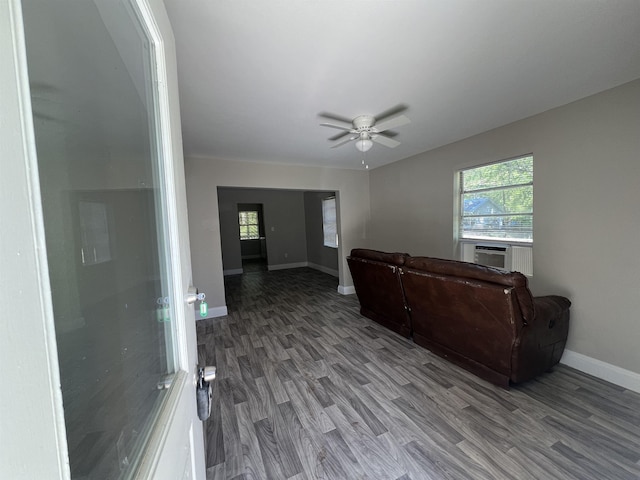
(255, 74)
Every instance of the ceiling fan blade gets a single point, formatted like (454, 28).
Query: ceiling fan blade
(339, 144)
(391, 112)
(392, 122)
(389, 133)
(339, 136)
(384, 140)
(339, 127)
(337, 119)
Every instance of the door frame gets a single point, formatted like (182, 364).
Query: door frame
(33, 441)
(34, 426)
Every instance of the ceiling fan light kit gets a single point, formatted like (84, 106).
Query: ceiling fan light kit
(364, 144)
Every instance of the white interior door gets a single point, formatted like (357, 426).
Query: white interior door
(95, 247)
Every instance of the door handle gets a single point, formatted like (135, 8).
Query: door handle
(207, 373)
(193, 296)
(204, 391)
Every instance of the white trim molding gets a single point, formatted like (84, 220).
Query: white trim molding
(284, 266)
(346, 289)
(234, 271)
(611, 373)
(324, 269)
(214, 312)
(30, 423)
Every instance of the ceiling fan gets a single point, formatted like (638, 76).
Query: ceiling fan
(366, 129)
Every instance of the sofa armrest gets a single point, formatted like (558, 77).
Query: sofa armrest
(550, 309)
(541, 342)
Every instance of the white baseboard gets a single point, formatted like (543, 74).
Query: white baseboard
(611, 373)
(235, 271)
(284, 266)
(346, 290)
(323, 269)
(214, 312)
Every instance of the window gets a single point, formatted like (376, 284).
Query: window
(94, 232)
(249, 227)
(496, 201)
(329, 225)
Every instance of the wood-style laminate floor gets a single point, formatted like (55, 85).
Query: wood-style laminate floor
(308, 388)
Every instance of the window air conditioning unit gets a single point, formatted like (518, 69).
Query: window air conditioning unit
(505, 257)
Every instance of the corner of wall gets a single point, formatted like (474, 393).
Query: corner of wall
(346, 289)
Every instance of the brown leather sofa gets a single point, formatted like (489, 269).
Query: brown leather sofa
(481, 318)
(376, 278)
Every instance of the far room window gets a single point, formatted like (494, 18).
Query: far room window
(329, 225)
(249, 227)
(496, 201)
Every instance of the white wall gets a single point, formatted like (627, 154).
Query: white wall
(586, 211)
(204, 175)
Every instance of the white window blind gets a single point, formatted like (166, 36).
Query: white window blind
(496, 201)
(329, 223)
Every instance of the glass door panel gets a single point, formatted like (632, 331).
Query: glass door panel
(95, 120)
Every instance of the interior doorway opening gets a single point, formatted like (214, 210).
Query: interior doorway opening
(276, 229)
(253, 241)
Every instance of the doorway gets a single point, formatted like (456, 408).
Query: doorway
(289, 226)
(253, 241)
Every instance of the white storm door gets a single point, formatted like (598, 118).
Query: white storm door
(95, 246)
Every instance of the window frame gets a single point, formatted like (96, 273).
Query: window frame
(256, 224)
(467, 235)
(330, 222)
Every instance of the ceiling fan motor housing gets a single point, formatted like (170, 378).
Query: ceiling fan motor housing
(363, 123)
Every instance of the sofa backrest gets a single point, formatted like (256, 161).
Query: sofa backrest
(378, 256)
(474, 271)
(467, 308)
(376, 278)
